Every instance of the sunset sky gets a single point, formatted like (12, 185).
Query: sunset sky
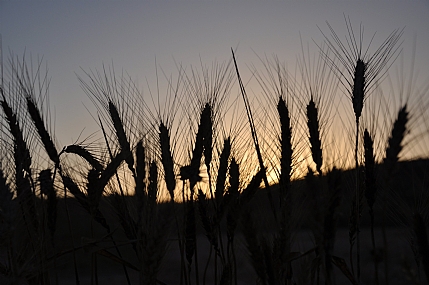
(82, 35)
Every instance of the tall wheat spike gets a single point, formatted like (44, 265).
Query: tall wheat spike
(314, 135)
(286, 148)
(395, 140)
(152, 191)
(41, 130)
(222, 172)
(208, 136)
(122, 137)
(22, 162)
(21, 152)
(197, 153)
(363, 72)
(285, 187)
(167, 159)
(140, 177)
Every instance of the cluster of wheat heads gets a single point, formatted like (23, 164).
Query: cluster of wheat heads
(183, 174)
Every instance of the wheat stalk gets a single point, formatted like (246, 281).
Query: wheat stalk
(422, 242)
(330, 221)
(370, 187)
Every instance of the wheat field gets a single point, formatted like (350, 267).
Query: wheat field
(317, 179)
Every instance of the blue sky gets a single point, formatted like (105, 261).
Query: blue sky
(76, 35)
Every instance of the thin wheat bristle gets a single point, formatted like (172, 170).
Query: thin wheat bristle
(359, 88)
(397, 136)
(45, 137)
(167, 159)
(314, 135)
(85, 154)
(122, 137)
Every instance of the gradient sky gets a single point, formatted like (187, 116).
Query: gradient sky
(75, 35)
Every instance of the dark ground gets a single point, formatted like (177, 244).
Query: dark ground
(408, 184)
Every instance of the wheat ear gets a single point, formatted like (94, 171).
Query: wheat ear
(21, 152)
(41, 130)
(122, 138)
(314, 135)
(395, 140)
(284, 186)
(222, 173)
(285, 148)
(140, 177)
(167, 159)
(358, 97)
(85, 154)
(208, 136)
